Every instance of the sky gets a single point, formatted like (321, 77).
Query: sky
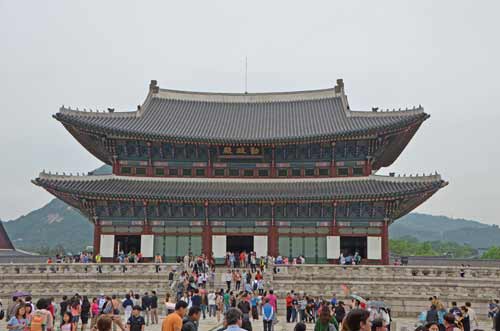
(444, 55)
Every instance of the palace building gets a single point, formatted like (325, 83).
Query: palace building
(287, 173)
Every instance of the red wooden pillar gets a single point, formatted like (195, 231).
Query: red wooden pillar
(385, 243)
(206, 236)
(333, 169)
(116, 166)
(149, 168)
(97, 237)
(272, 238)
(209, 162)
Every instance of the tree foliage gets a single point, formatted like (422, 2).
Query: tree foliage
(409, 246)
(492, 253)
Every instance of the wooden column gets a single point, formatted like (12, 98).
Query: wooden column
(273, 162)
(272, 238)
(209, 162)
(149, 169)
(115, 165)
(206, 237)
(385, 242)
(332, 164)
(97, 236)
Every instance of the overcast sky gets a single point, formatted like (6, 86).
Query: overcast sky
(96, 54)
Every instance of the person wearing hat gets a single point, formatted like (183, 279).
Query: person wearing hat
(136, 321)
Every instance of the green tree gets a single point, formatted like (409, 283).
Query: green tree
(492, 253)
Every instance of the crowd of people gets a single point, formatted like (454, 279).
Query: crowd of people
(244, 299)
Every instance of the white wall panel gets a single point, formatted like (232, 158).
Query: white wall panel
(219, 246)
(147, 244)
(260, 245)
(107, 245)
(374, 248)
(332, 247)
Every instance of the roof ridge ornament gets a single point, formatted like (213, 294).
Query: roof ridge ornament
(153, 86)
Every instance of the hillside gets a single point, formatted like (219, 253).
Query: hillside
(431, 228)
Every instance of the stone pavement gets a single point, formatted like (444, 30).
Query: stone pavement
(399, 324)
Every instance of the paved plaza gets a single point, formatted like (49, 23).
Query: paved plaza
(208, 324)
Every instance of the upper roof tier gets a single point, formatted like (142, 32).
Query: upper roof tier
(242, 118)
(116, 187)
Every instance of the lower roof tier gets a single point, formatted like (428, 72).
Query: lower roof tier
(409, 191)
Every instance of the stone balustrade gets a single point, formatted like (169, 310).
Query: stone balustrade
(405, 288)
(55, 280)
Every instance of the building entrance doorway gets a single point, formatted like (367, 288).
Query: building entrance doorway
(238, 244)
(351, 245)
(127, 244)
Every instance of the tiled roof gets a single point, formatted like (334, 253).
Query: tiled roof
(112, 186)
(242, 118)
(5, 242)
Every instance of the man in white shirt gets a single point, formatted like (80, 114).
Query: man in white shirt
(211, 304)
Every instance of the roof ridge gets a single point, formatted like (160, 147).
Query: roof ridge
(259, 97)
(424, 178)
(110, 113)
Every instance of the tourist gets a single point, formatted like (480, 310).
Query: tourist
(339, 312)
(464, 319)
(28, 314)
(357, 258)
(219, 302)
(212, 305)
(18, 320)
(233, 320)
(41, 319)
(454, 309)
(67, 323)
(135, 322)
(146, 307)
(289, 307)
(357, 320)
(173, 322)
(326, 322)
(204, 302)
(295, 308)
(127, 305)
(169, 305)
(432, 327)
(85, 312)
(104, 323)
(190, 322)
(268, 315)
(11, 307)
(379, 324)
(154, 308)
(94, 308)
(227, 278)
(245, 308)
(300, 327)
(108, 310)
(254, 302)
(432, 315)
(497, 321)
(449, 323)
(472, 316)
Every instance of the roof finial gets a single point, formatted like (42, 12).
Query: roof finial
(153, 86)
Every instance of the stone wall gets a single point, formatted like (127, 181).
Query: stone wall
(55, 280)
(405, 288)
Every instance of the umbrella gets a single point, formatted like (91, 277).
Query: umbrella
(357, 297)
(377, 304)
(20, 294)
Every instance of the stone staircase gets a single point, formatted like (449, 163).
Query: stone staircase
(405, 288)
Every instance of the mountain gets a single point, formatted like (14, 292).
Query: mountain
(59, 224)
(431, 228)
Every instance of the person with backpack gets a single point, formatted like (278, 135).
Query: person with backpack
(268, 315)
(42, 320)
(63, 305)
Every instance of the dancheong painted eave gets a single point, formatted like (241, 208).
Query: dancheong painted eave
(226, 189)
(242, 118)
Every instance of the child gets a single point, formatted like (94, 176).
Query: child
(18, 321)
(67, 322)
(136, 321)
